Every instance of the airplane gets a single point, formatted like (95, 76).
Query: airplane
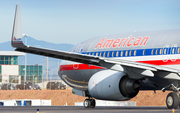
(116, 67)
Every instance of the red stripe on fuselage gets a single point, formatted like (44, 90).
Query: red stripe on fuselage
(161, 62)
(86, 66)
(78, 67)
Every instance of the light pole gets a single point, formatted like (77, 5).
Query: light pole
(33, 81)
(50, 81)
(11, 83)
(24, 78)
(25, 35)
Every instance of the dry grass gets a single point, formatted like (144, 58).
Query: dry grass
(61, 97)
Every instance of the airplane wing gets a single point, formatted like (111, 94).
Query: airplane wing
(118, 65)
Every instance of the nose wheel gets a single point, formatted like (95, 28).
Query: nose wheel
(89, 103)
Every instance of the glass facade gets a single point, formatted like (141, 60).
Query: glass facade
(0, 74)
(32, 71)
(9, 60)
(0, 70)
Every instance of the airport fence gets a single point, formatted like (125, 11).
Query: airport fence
(53, 84)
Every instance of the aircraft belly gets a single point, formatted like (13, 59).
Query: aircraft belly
(77, 79)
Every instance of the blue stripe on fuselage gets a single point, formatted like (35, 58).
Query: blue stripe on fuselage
(139, 52)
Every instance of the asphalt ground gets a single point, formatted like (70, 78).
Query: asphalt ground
(81, 109)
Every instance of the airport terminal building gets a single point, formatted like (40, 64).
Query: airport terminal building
(11, 72)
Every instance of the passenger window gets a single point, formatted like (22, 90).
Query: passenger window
(113, 54)
(178, 50)
(100, 54)
(108, 54)
(117, 53)
(97, 54)
(135, 53)
(121, 53)
(160, 52)
(130, 53)
(165, 50)
(104, 54)
(126, 53)
(144, 51)
(152, 52)
(157, 51)
(173, 50)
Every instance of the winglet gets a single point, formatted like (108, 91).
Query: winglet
(16, 40)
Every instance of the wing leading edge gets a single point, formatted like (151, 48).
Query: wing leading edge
(118, 65)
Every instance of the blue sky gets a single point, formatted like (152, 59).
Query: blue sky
(73, 21)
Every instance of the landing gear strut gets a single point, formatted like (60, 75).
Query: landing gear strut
(89, 103)
(173, 98)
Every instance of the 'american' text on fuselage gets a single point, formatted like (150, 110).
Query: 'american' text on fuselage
(122, 42)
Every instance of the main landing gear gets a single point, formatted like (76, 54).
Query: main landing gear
(173, 98)
(89, 103)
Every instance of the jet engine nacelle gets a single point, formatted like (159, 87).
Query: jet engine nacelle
(112, 85)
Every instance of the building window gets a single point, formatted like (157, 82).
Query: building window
(9, 60)
(32, 71)
(13, 79)
(0, 70)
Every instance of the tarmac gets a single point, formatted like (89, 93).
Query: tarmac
(81, 109)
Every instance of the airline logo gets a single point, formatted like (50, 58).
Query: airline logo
(16, 39)
(125, 42)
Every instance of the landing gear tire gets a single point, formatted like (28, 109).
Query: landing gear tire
(89, 103)
(172, 101)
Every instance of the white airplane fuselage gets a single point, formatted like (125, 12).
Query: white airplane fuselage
(154, 47)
